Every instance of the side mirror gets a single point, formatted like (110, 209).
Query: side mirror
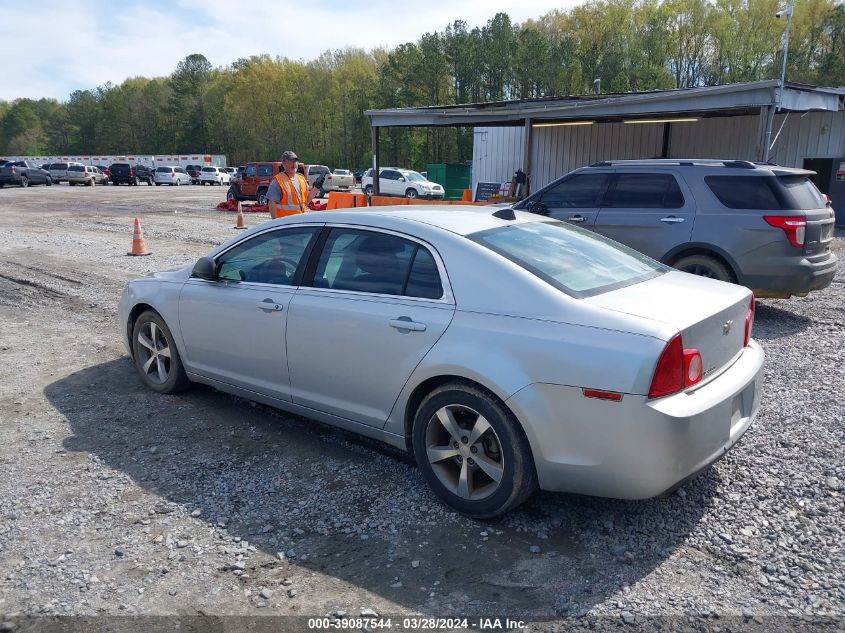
(538, 208)
(401, 178)
(205, 268)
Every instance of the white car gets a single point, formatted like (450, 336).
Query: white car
(402, 182)
(214, 176)
(171, 175)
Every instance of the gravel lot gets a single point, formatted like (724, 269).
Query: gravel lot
(116, 501)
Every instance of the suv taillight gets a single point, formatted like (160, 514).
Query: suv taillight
(677, 369)
(749, 321)
(795, 227)
(14, 171)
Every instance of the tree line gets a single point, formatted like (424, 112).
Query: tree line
(257, 107)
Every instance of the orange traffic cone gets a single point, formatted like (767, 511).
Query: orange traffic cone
(138, 245)
(240, 224)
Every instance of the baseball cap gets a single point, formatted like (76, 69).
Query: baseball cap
(289, 155)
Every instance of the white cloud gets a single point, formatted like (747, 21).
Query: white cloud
(58, 48)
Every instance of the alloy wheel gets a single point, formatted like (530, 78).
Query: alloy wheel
(464, 452)
(154, 353)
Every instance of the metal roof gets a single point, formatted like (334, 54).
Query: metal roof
(724, 100)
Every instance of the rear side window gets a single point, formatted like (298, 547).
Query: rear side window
(365, 261)
(580, 190)
(424, 280)
(265, 170)
(744, 192)
(645, 191)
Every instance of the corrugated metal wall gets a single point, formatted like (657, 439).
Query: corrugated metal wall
(497, 151)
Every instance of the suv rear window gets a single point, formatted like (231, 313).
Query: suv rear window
(58, 166)
(164, 169)
(76, 168)
(573, 260)
(119, 168)
(777, 193)
(209, 169)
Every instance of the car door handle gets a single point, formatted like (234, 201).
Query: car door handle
(577, 218)
(671, 220)
(269, 305)
(405, 323)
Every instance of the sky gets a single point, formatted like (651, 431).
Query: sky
(51, 48)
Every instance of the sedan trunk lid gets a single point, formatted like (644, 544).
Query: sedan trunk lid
(709, 314)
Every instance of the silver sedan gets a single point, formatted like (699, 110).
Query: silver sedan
(506, 351)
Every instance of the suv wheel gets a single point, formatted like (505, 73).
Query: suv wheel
(261, 198)
(24, 181)
(705, 266)
(368, 190)
(137, 181)
(232, 194)
(411, 193)
(48, 181)
(472, 452)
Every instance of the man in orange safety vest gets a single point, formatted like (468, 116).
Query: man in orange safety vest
(288, 193)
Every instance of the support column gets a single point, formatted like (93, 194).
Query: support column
(767, 117)
(667, 140)
(375, 130)
(526, 155)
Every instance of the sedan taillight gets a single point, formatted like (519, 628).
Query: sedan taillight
(795, 227)
(677, 369)
(749, 321)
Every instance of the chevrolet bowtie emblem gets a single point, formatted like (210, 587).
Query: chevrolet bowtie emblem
(726, 328)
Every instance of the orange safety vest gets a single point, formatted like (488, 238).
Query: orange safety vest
(294, 196)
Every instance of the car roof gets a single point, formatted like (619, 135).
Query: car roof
(458, 219)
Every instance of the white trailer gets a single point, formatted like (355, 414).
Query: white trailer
(152, 161)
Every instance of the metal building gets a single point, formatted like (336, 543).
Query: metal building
(801, 126)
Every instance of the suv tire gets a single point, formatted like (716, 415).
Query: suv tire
(410, 192)
(368, 190)
(705, 266)
(48, 181)
(261, 196)
(233, 194)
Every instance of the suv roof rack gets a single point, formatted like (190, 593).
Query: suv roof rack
(680, 162)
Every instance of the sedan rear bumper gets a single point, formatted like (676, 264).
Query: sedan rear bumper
(637, 448)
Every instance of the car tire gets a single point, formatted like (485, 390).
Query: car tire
(261, 198)
(368, 190)
(705, 266)
(24, 181)
(72, 184)
(449, 458)
(233, 194)
(48, 181)
(150, 339)
(411, 193)
(89, 183)
(158, 184)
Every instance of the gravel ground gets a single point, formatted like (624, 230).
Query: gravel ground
(115, 501)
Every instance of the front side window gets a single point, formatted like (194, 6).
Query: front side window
(269, 258)
(573, 260)
(645, 191)
(389, 174)
(580, 190)
(265, 170)
(365, 261)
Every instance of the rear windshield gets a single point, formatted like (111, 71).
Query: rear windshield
(209, 169)
(76, 168)
(119, 167)
(164, 169)
(58, 166)
(773, 193)
(341, 172)
(318, 169)
(573, 260)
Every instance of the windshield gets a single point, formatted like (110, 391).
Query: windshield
(414, 176)
(576, 261)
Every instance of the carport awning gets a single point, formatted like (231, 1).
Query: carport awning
(724, 100)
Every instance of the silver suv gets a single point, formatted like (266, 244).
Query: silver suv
(762, 226)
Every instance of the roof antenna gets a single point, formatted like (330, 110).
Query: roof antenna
(505, 214)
